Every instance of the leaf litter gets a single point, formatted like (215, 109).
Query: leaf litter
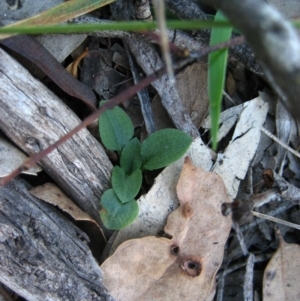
(281, 276)
(161, 200)
(164, 188)
(149, 268)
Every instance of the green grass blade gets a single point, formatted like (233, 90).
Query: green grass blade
(217, 62)
(27, 28)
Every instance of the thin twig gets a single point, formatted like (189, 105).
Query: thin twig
(248, 283)
(159, 6)
(203, 51)
(276, 220)
(240, 238)
(279, 142)
(142, 94)
(283, 207)
(220, 292)
(237, 265)
(229, 98)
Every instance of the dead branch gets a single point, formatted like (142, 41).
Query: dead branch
(149, 60)
(43, 255)
(34, 118)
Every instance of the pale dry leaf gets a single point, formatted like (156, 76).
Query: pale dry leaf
(183, 267)
(227, 118)
(284, 130)
(191, 84)
(242, 147)
(161, 198)
(52, 194)
(281, 276)
(230, 113)
(11, 158)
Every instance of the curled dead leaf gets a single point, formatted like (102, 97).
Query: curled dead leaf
(52, 194)
(268, 177)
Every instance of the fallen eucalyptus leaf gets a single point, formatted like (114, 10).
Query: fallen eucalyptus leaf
(191, 84)
(281, 276)
(183, 267)
(32, 50)
(239, 153)
(52, 194)
(60, 13)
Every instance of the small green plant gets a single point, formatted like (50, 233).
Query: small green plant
(119, 207)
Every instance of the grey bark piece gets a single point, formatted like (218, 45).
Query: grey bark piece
(284, 130)
(186, 9)
(34, 118)
(290, 8)
(143, 95)
(61, 45)
(147, 57)
(123, 10)
(43, 256)
(248, 282)
(131, 9)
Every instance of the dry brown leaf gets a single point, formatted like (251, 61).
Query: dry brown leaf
(73, 67)
(191, 84)
(281, 276)
(52, 194)
(184, 266)
(161, 118)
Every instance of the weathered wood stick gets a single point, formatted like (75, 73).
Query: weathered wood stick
(33, 117)
(43, 256)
